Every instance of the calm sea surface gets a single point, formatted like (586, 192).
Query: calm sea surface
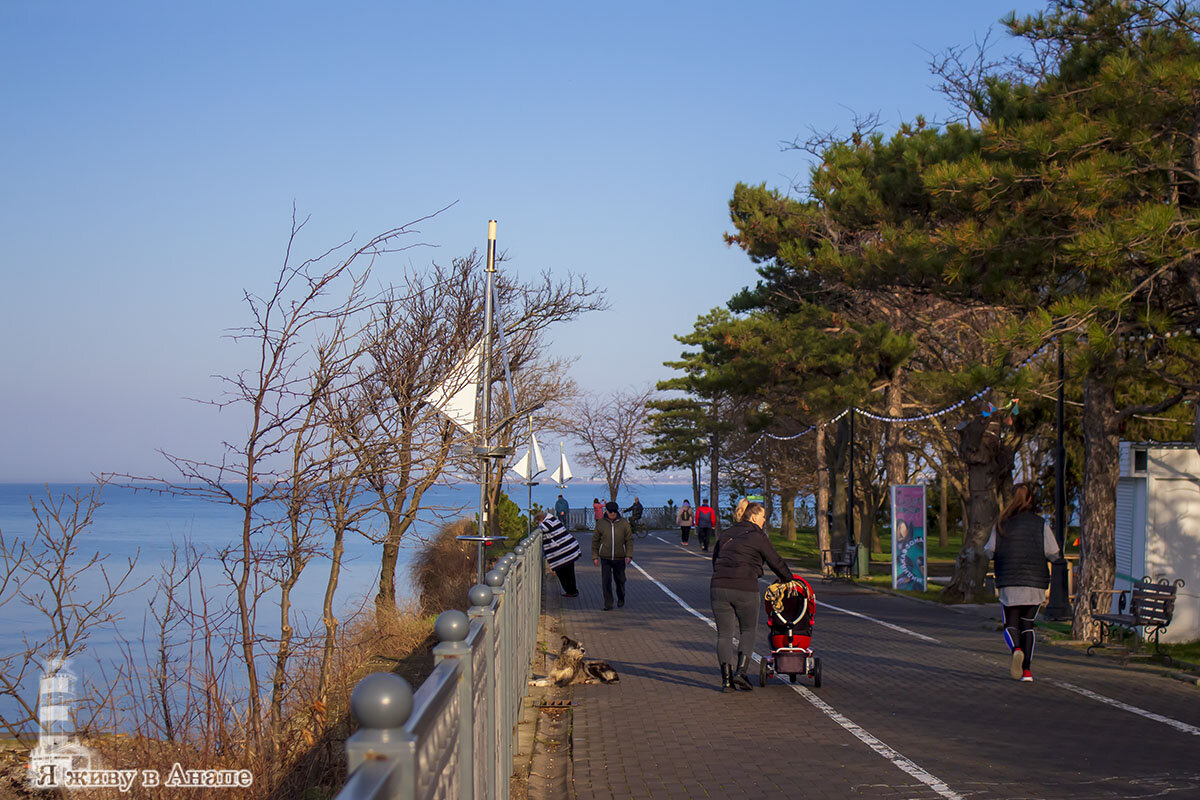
(146, 525)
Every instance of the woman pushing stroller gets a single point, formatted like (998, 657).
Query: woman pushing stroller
(738, 559)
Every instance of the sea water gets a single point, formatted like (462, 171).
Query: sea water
(135, 524)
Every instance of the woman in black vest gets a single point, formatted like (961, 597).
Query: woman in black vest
(1021, 543)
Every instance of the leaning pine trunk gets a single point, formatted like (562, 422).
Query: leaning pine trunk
(787, 511)
(1101, 472)
(822, 504)
(989, 471)
(894, 456)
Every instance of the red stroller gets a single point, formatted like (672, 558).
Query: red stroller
(791, 611)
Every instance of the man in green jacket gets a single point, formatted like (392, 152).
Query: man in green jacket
(612, 549)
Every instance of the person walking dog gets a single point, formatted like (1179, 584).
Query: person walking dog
(683, 518)
(706, 520)
(612, 550)
(738, 558)
(561, 551)
(1021, 543)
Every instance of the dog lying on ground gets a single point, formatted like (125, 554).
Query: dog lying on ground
(570, 668)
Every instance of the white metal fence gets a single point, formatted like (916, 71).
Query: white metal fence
(454, 736)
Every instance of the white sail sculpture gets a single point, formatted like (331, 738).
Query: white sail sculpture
(456, 396)
(530, 464)
(562, 473)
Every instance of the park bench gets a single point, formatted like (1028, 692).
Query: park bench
(841, 566)
(1151, 606)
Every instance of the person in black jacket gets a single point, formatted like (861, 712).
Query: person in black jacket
(738, 558)
(1021, 543)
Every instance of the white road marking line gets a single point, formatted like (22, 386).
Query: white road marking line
(1141, 712)
(888, 625)
(1088, 693)
(854, 729)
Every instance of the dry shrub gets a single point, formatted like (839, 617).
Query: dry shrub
(444, 571)
(310, 759)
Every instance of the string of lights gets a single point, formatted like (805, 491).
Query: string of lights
(893, 420)
(959, 404)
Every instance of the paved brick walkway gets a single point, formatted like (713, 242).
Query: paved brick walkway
(899, 716)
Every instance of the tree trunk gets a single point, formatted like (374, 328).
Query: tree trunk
(695, 484)
(821, 509)
(943, 514)
(385, 600)
(768, 506)
(838, 489)
(1101, 471)
(787, 513)
(714, 472)
(894, 458)
(893, 455)
(989, 471)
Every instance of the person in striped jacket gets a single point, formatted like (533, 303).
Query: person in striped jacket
(561, 551)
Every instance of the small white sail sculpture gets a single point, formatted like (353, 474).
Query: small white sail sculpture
(456, 396)
(530, 464)
(562, 473)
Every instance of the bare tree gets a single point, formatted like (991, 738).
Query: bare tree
(295, 335)
(47, 574)
(418, 335)
(612, 431)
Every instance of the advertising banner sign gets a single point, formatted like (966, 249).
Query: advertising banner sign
(908, 538)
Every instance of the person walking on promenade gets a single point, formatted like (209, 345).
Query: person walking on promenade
(738, 557)
(706, 520)
(561, 551)
(562, 508)
(612, 550)
(635, 514)
(683, 518)
(598, 509)
(1021, 543)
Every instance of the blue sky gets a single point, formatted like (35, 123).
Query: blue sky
(150, 154)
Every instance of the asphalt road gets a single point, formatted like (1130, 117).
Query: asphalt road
(916, 702)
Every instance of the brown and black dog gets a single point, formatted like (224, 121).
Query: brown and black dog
(570, 668)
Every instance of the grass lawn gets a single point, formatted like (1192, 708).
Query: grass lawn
(804, 552)
(1183, 651)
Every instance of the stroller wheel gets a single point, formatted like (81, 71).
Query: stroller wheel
(762, 672)
(816, 673)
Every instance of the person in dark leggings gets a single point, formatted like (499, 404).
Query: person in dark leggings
(1021, 543)
(738, 558)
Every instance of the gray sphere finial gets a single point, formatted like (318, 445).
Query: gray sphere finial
(452, 625)
(502, 566)
(480, 595)
(382, 700)
(519, 549)
(494, 578)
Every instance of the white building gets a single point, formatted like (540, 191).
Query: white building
(1158, 525)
